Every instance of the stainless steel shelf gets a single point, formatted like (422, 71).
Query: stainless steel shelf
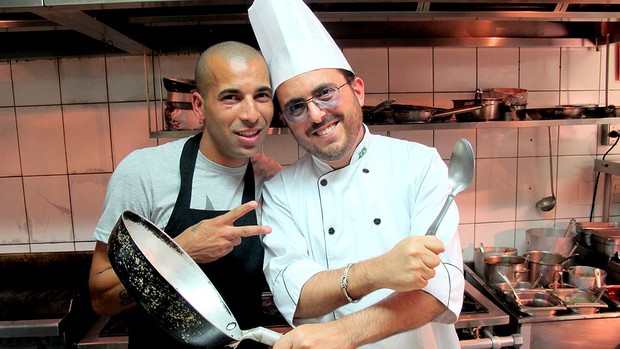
(433, 126)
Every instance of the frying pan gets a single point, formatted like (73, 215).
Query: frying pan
(172, 288)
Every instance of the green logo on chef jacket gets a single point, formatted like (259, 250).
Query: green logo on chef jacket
(361, 153)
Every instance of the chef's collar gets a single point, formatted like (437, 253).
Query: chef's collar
(359, 153)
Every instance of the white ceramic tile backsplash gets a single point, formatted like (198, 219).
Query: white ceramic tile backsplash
(9, 156)
(498, 67)
(13, 226)
(540, 68)
(87, 134)
(49, 210)
(36, 82)
(454, 69)
(41, 140)
(130, 129)
(87, 194)
(370, 64)
(6, 88)
(126, 79)
(411, 69)
(83, 80)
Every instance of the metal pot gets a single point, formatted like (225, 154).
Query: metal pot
(606, 241)
(489, 109)
(172, 288)
(585, 229)
(545, 263)
(514, 267)
(550, 239)
(585, 277)
(488, 252)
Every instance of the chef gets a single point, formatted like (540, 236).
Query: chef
(194, 189)
(347, 259)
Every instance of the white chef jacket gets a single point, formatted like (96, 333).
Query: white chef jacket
(324, 219)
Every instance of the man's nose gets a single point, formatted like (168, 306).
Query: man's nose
(250, 111)
(315, 113)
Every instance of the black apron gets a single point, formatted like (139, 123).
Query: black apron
(238, 276)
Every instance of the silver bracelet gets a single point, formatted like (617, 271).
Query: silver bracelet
(344, 282)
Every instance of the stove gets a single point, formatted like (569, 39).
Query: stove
(46, 303)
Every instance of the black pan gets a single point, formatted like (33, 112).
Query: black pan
(172, 288)
(558, 112)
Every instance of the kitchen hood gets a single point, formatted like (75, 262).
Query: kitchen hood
(32, 29)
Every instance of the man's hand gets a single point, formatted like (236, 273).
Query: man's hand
(211, 239)
(408, 265)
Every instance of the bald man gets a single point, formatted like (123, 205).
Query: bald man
(195, 188)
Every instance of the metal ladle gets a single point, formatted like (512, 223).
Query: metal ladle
(460, 175)
(514, 292)
(548, 203)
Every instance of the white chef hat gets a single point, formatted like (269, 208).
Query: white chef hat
(292, 40)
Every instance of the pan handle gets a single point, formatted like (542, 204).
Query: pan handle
(261, 335)
(459, 110)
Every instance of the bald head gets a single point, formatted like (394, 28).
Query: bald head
(231, 51)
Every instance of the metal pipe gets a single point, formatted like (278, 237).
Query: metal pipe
(492, 342)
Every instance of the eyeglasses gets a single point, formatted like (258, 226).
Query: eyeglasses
(325, 99)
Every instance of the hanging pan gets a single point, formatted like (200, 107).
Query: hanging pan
(172, 288)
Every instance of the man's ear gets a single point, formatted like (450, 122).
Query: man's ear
(197, 104)
(358, 87)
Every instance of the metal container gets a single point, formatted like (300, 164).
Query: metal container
(585, 229)
(550, 240)
(579, 301)
(545, 263)
(514, 267)
(584, 277)
(606, 241)
(488, 252)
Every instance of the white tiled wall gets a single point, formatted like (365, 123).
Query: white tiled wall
(66, 123)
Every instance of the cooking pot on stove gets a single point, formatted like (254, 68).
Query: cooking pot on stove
(514, 267)
(545, 263)
(489, 251)
(550, 239)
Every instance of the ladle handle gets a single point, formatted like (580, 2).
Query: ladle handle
(432, 230)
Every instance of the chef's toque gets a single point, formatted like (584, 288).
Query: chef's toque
(292, 40)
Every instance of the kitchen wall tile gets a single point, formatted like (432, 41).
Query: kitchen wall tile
(36, 82)
(498, 67)
(542, 99)
(496, 183)
(533, 184)
(420, 136)
(41, 140)
(25, 248)
(87, 134)
(421, 99)
(455, 69)
(495, 234)
(613, 98)
(85, 246)
(411, 69)
(48, 209)
(127, 81)
(9, 156)
(6, 85)
(372, 99)
(497, 142)
(534, 141)
(444, 140)
(370, 64)
(581, 97)
(54, 247)
(13, 223)
(130, 129)
(540, 68)
(282, 148)
(83, 80)
(575, 186)
(87, 195)
(174, 66)
(613, 75)
(580, 68)
(466, 235)
(578, 140)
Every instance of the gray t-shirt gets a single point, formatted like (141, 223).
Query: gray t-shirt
(147, 182)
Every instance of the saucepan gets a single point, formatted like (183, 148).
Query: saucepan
(172, 288)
